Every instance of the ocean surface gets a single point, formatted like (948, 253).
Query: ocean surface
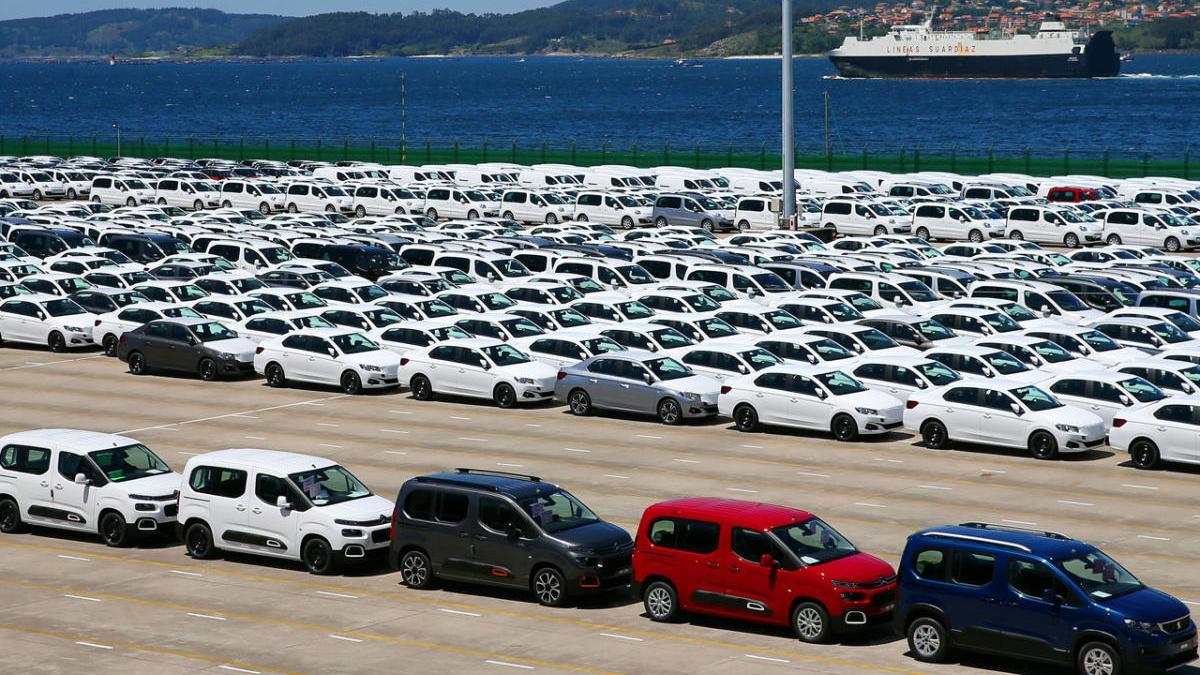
(1152, 107)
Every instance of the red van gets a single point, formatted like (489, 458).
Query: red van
(760, 562)
(1072, 195)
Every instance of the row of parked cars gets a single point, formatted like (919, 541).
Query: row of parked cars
(1036, 595)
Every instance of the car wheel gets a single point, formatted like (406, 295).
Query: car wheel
(274, 375)
(551, 219)
(504, 395)
(706, 225)
(660, 222)
(329, 208)
(976, 236)
(110, 345)
(472, 215)
(95, 200)
(743, 226)
(1098, 658)
(264, 208)
(810, 622)
(669, 411)
(1042, 445)
(745, 418)
(113, 529)
(934, 434)
(1016, 234)
(415, 570)
(579, 402)
(1172, 245)
(507, 215)
(226, 204)
(833, 233)
(1113, 240)
(57, 342)
(431, 214)
(208, 370)
(627, 223)
(927, 640)
(549, 587)
(1144, 454)
(197, 205)
(71, 194)
(1071, 240)
(292, 208)
(844, 428)
(162, 202)
(880, 230)
(351, 383)
(131, 202)
(923, 233)
(317, 556)
(137, 364)
(36, 196)
(581, 218)
(422, 390)
(198, 541)
(360, 211)
(661, 602)
(10, 516)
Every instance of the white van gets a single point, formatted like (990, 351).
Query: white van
(453, 203)
(528, 206)
(541, 179)
(121, 191)
(281, 505)
(850, 217)
(243, 194)
(317, 197)
(614, 210)
(1053, 225)
(186, 194)
(758, 213)
(86, 482)
(954, 223)
(1147, 228)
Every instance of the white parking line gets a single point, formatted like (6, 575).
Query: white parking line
(686, 461)
(515, 466)
(190, 454)
(766, 658)
(335, 636)
(1071, 503)
(752, 447)
(653, 438)
(986, 471)
(1138, 487)
(472, 439)
(934, 487)
(1191, 602)
(81, 597)
(576, 450)
(814, 475)
(393, 431)
(73, 557)
(400, 412)
(257, 438)
(457, 611)
(506, 664)
(337, 595)
(206, 616)
(456, 417)
(622, 637)
(92, 644)
(535, 426)
(1146, 536)
(613, 475)
(244, 416)
(186, 574)
(870, 505)
(326, 424)
(198, 420)
(753, 492)
(39, 364)
(331, 445)
(394, 452)
(885, 459)
(238, 670)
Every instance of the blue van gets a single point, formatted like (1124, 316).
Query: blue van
(1035, 595)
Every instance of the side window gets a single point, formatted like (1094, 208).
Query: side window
(686, 535)
(1033, 579)
(269, 489)
(972, 568)
(749, 545)
(25, 459)
(451, 508)
(963, 395)
(1182, 414)
(872, 371)
(1106, 392)
(496, 515)
(418, 505)
(930, 564)
(211, 480)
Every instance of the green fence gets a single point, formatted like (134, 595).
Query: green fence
(1122, 163)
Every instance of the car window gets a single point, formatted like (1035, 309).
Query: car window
(25, 459)
(419, 505)
(451, 508)
(218, 481)
(1033, 579)
(497, 515)
(695, 536)
(750, 545)
(930, 564)
(972, 568)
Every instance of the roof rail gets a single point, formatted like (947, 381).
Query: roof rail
(1010, 528)
(504, 474)
(981, 540)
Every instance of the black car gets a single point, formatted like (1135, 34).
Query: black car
(200, 346)
(104, 300)
(509, 530)
(370, 262)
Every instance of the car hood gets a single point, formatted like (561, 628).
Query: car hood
(1147, 604)
(884, 403)
(1088, 422)
(533, 369)
(860, 568)
(241, 348)
(365, 509)
(600, 537)
(696, 384)
(1082, 318)
(382, 358)
(154, 486)
(1118, 356)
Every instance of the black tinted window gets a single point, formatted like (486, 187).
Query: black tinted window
(219, 482)
(688, 535)
(972, 568)
(25, 459)
(419, 505)
(451, 508)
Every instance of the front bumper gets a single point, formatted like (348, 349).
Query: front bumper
(604, 574)
(1163, 652)
(861, 609)
(236, 368)
(530, 393)
(701, 408)
(879, 424)
(1072, 442)
(361, 542)
(380, 380)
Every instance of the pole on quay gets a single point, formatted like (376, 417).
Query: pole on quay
(788, 123)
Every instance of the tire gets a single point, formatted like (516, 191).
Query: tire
(579, 403)
(329, 208)
(58, 344)
(162, 202)
(360, 211)
(198, 541)
(208, 370)
(833, 230)
(670, 412)
(581, 218)
(935, 435)
(114, 530)
(1016, 234)
(264, 208)
(1113, 240)
(844, 428)
(706, 225)
(317, 556)
(197, 205)
(549, 587)
(745, 418)
(137, 364)
(227, 204)
(923, 233)
(1098, 658)
(131, 202)
(431, 214)
(415, 570)
(1144, 454)
(661, 602)
(975, 237)
(110, 345)
(928, 640)
(422, 389)
(504, 395)
(551, 219)
(507, 215)
(1071, 240)
(810, 623)
(351, 383)
(36, 196)
(660, 222)
(472, 215)
(72, 194)
(275, 376)
(291, 208)
(627, 223)
(10, 516)
(95, 200)
(743, 226)
(880, 230)
(1043, 445)
(1172, 245)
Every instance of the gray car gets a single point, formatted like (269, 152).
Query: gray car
(637, 382)
(691, 210)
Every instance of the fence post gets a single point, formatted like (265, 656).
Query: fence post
(696, 161)
(865, 157)
(572, 152)
(428, 150)
(267, 149)
(917, 158)
(292, 158)
(604, 152)
(216, 146)
(954, 159)
(166, 146)
(729, 155)
(991, 159)
(47, 144)
(1027, 159)
(1104, 164)
(485, 149)
(345, 148)
(71, 145)
(24, 145)
(191, 147)
(514, 152)
(667, 153)
(318, 149)
(902, 159)
(1145, 164)
(1067, 159)
(1187, 157)
(373, 148)
(544, 152)
(762, 157)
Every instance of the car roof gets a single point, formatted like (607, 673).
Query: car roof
(515, 486)
(1050, 545)
(84, 441)
(287, 462)
(748, 514)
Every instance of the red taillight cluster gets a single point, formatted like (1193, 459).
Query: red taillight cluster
(725, 389)
(1118, 422)
(258, 350)
(404, 361)
(562, 374)
(122, 340)
(910, 404)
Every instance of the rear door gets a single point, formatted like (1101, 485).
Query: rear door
(971, 598)
(272, 529)
(1032, 626)
(500, 539)
(223, 490)
(686, 551)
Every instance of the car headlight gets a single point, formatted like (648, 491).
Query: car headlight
(1068, 428)
(867, 411)
(73, 329)
(694, 398)
(225, 356)
(523, 380)
(370, 368)
(1143, 626)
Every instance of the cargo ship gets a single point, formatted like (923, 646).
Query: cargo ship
(919, 51)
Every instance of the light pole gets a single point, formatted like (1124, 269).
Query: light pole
(789, 131)
(117, 126)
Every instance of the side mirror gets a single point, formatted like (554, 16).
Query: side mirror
(485, 365)
(743, 369)
(332, 352)
(648, 378)
(822, 395)
(1125, 400)
(82, 479)
(283, 502)
(1016, 409)
(1052, 598)
(767, 561)
(921, 384)
(812, 359)
(1045, 311)
(827, 318)
(988, 372)
(858, 347)
(41, 315)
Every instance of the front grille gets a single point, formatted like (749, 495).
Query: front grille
(1095, 443)
(874, 583)
(1174, 626)
(884, 598)
(171, 510)
(380, 536)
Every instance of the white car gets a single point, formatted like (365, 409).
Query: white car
(454, 203)
(39, 319)
(1005, 413)
(1175, 376)
(727, 360)
(274, 324)
(568, 347)
(477, 368)
(985, 362)
(317, 197)
(331, 356)
(1039, 353)
(282, 505)
(862, 340)
(121, 191)
(1089, 343)
(1105, 393)
(1168, 430)
(809, 397)
(85, 482)
(411, 335)
(108, 327)
(902, 376)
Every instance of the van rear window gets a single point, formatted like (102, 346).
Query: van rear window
(973, 569)
(696, 536)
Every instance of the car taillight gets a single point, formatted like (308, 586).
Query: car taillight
(122, 340)
(258, 349)
(910, 405)
(562, 374)
(1118, 422)
(392, 527)
(725, 389)
(404, 361)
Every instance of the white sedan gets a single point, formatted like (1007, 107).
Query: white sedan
(46, 320)
(330, 356)
(1167, 430)
(477, 368)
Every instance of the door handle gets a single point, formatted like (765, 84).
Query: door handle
(256, 510)
(45, 483)
(312, 358)
(758, 396)
(735, 568)
(713, 566)
(1161, 428)
(987, 416)
(480, 537)
(240, 507)
(464, 535)
(592, 380)
(624, 386)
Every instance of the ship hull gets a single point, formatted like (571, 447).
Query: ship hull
(1098, 59)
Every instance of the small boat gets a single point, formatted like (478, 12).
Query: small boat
(112, 60)
(521, 60)
(1126, 57)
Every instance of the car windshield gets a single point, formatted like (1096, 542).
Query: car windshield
(702, 303)
(564, 294)
(312, 322)
(275, 254)
(669, 338)
(449, 333)
(1142, 390)
(1068, 301)
(1051, 352)
(667, 369)
(772, 283)
(600, 345)
(829, 350)
(918, 291)
(1018, 313)
(382, 317)
(760, 358)
(251, 307)
(557, 511)
(874, 339)
(863, 303)
(125, 299)
(1098, 341)
(328, 486)
(814, 542)
(1001, 322)
(634, 274)
(1098, 575)
(840, 384)
(62, 307)
(354, 343)
(1035, 399)
(715, 328)
(1004, 363)
(505, 355)
(1169, 332)
(188, 292)
(569, 318)
(938, 374)
(436, 308)
(496, 301)
(305, 301)
(1184, 322)
(182, 313)
(719, 293)
(522, 327)
(212, 332)
(842, 312)
(129, 462)
(933, 330)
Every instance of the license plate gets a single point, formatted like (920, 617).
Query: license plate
(624, 571)
(1187, 646)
